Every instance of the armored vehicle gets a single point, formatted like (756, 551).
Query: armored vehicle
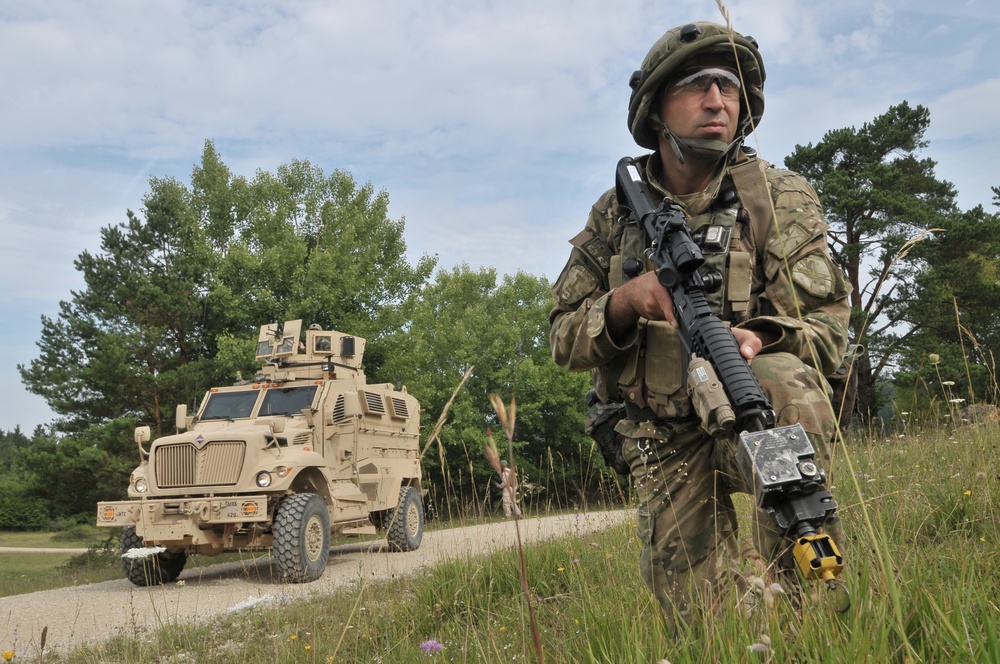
(305, 449)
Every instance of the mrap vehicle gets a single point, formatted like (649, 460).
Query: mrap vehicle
(305, 449)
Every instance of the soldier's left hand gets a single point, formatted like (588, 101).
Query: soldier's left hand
(749, 342)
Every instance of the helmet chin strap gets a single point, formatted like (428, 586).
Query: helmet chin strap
(700, 149)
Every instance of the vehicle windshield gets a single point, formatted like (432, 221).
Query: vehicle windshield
(229, 405)
(287, 400)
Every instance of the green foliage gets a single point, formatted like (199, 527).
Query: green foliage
(72, 473)
(19, 507)
(19, 510)
(950, 300)
(465, 319)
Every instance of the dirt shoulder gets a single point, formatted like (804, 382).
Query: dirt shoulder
(93, 613)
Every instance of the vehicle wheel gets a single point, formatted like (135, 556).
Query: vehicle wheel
(302, 537)
(406, 521)
(152, 570)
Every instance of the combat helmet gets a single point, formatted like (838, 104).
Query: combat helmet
(673, 53)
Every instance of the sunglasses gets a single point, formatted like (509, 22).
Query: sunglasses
(700, 82)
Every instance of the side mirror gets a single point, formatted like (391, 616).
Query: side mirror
(142, 435)
(277, 425)
(180, 417)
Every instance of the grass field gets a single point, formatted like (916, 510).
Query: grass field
(922, 558)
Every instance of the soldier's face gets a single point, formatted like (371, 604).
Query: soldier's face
(709, 111)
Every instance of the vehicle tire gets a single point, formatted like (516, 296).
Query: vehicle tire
(406, 521)
(301, 537)
(152, 570)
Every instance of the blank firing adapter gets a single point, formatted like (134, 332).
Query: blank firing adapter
(789, 486)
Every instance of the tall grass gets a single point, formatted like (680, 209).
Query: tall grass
(933, 499)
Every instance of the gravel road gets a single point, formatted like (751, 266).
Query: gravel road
(92, 613)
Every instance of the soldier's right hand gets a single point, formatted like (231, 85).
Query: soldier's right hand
(643, 296)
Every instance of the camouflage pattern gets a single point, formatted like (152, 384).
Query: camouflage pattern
(685, 478)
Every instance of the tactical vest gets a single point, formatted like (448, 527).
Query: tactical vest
(651, 378)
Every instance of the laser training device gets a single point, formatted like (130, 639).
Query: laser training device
(777, 462)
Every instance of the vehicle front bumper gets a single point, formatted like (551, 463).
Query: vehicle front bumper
(172, 518)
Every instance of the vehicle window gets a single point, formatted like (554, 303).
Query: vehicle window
(287, 400)
(229, 405)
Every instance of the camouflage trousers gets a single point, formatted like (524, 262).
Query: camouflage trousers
(685, 480)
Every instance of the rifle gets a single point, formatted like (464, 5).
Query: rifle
(777, 462)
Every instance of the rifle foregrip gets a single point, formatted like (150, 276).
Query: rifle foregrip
(712, 340)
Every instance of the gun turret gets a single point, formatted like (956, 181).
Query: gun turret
(287, 356)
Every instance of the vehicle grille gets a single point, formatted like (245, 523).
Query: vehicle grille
(184, 465)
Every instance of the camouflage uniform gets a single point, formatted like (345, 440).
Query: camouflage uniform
(781, 281)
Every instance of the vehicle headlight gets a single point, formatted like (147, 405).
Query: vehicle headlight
(281, 471)
(263, 479)
(140, 485)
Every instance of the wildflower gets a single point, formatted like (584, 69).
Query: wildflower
(758, 647)
(308, 647)
(502, 629)
(431, 646)
(982, 539)
(560, 569)
(181, 584)
(9, 655)
(934, 358)
(968, 493)
(293, 637)
(948, 383)
(143, 552)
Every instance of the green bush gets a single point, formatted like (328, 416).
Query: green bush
(18, 512)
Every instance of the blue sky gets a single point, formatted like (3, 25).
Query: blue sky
(493, 126)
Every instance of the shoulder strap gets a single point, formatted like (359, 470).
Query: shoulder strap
(755, 194)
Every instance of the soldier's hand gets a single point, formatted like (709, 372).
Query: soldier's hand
(749, 342)
(642, 296)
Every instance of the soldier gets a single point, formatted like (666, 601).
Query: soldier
(697, 96)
